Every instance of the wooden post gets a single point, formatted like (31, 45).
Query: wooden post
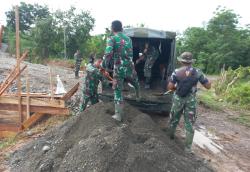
(18, 66)
(28, 94)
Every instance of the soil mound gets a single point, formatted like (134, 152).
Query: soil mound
(93, 141)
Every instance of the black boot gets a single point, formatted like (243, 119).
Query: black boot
(76, 74)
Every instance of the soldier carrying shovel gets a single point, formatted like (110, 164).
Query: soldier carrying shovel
(184, 82)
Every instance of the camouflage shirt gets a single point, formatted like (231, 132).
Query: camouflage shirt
(180, 73)
(78, 57)
(91, 80)
(152, 54)
(151, 57)
(119, 49)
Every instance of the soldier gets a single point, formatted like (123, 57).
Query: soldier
(90, 84)
(119, 50)
(150, 53)
(184, 82)
(78, 59)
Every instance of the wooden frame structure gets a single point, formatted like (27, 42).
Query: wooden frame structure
(21, 110)
(33, 107)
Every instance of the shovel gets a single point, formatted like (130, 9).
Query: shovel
(163, 94)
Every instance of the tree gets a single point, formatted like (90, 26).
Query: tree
(194, 39)
(224, 39)
(219, 43)
(77, 27)
(44, 34)
(28, 14)
(96, 44)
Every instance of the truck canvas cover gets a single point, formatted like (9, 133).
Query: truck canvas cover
(148, 33)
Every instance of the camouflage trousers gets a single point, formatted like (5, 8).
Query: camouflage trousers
(77, 67)
(148, 67)
(86, 98)
(187, 107)
(121, 73)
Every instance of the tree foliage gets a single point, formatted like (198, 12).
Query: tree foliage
(28, 14)
(77, 27)
(220, 43)
(44, 35)
(47, 31)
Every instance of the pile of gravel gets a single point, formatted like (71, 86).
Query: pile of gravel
(93, 141)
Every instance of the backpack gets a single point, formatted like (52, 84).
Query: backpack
(186, 83)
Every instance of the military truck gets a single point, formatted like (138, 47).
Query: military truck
(153, 100)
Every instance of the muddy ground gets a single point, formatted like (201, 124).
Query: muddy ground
(231, 137)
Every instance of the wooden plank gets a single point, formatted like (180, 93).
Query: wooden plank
(71, 92)
(37, 95)
(6, 113)
(8, 116)
(19, 82)
(45, 102)
(40, 109)
(7, 134)
(9, 127)
(33, 119)
(5, 87)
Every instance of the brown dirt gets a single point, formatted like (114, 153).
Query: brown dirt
(59, 62)
(93, 141)
(232, 136)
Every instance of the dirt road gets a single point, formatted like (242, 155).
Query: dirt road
(223, 143)
(231, 136)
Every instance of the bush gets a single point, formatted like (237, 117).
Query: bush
(239, 94)
(234, 86)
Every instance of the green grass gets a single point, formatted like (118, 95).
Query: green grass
(7, 142)
(243, 119)
(210, 100)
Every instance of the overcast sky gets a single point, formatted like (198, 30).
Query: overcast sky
(174, 15)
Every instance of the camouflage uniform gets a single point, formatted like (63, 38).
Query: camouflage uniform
(185, 105)
(78, 59)
(90, 86)
(151, 57)
(119, 50)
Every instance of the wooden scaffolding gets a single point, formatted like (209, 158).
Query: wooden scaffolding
(20, 110)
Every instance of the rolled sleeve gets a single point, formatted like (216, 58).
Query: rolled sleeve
(173, 78)
(202, 78)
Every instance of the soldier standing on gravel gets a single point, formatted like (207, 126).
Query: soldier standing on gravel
(119, 49)
(90, 84)
(150, 53)
(78, 58)
(184, 82)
